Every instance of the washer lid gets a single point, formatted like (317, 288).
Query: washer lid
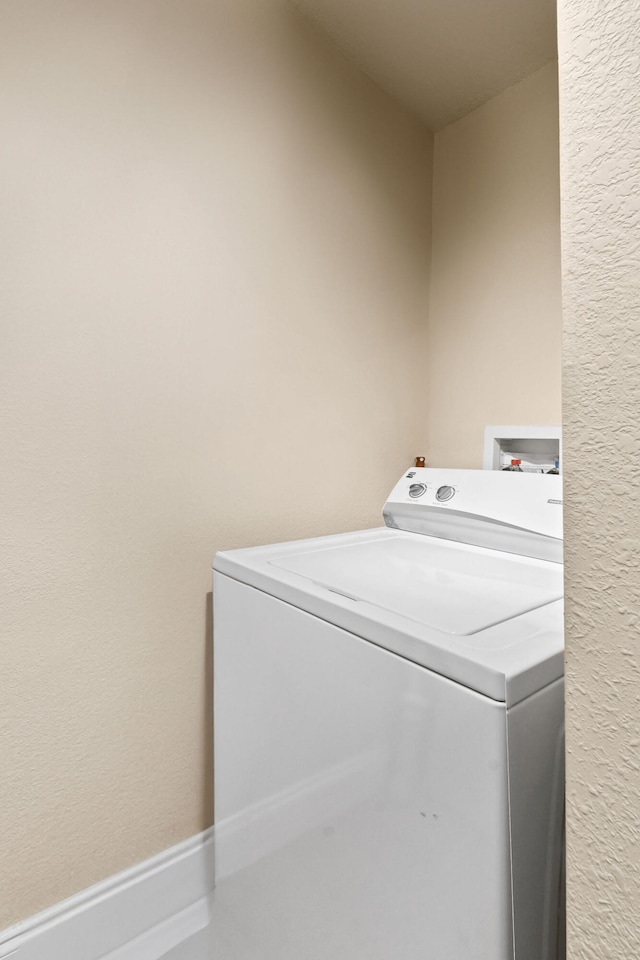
(503, 639)
(454, 589)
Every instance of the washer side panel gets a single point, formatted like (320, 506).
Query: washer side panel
(361, 800)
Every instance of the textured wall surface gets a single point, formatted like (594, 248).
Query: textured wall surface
(215, 243)
(495, 313)
(599, 42)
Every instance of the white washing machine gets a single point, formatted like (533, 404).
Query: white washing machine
(389, 731)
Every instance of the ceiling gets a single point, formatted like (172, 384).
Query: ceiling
(441, 58)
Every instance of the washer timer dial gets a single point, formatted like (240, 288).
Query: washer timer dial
(417, 490)
(444, 493)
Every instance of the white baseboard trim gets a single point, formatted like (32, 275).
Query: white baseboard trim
(138, 914)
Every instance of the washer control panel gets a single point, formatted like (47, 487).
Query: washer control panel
(417, 485)
(502, 509)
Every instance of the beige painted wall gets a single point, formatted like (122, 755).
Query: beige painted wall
(495, 310)
(600, 150)
(215, 247)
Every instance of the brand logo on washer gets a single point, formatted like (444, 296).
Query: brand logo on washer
(555, 501)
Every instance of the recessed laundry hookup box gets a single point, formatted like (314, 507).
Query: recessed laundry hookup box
(537, 448)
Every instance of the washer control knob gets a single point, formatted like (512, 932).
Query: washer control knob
(444, 493)
(417, 490)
